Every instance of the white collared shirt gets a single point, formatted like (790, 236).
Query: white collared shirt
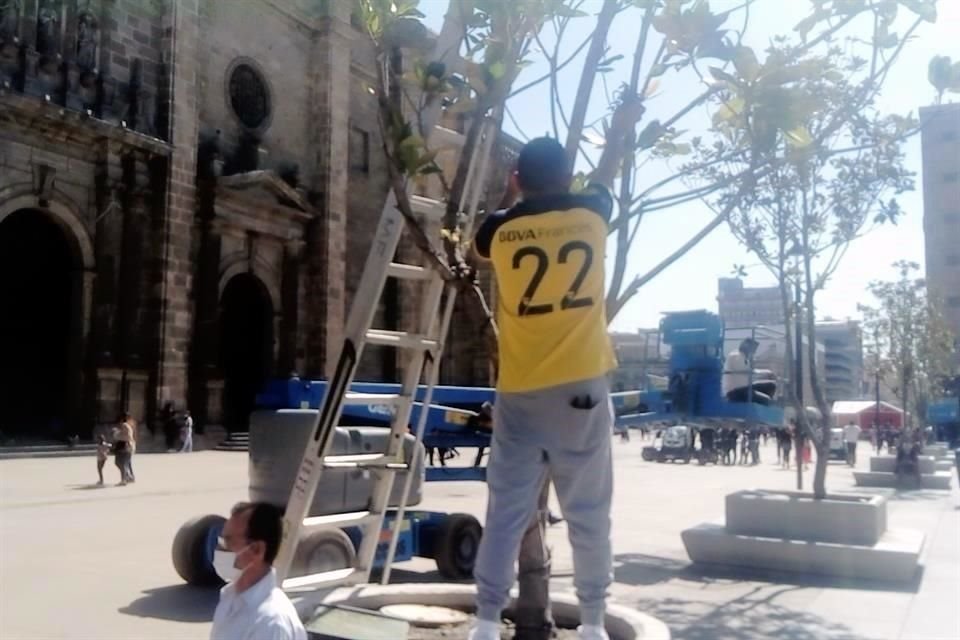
(262, 612)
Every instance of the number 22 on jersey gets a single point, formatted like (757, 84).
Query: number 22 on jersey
(570, 252)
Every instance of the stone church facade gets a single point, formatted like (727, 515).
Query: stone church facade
(187, 191)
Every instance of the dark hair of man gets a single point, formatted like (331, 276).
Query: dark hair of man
(265, 524)
(542, 167)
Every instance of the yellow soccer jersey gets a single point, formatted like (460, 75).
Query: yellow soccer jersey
(548, 259)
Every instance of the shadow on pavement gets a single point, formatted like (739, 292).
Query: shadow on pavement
(398, 576)
(88, 487)
(643, 570)
(753, 615)
(802, 580)
(180, 602)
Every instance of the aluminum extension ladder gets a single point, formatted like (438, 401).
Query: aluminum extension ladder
(425, 346)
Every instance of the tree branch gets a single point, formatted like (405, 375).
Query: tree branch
(594, 53)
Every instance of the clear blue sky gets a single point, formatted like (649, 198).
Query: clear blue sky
(691, 282)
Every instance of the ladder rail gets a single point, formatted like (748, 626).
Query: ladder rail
(483, 149)
(372, 282)
(380, 499)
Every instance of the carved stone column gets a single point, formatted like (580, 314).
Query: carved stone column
(111, 196)
(287, 334)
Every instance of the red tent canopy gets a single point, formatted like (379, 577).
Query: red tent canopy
(866, 412)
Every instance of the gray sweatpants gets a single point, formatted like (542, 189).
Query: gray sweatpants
(536, 433)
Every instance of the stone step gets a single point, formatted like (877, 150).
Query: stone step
(888, 464)
(894, 558)
(939, 480)
(63, 452)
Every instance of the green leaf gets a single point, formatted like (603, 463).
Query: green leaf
(728, 110)
(606, 62)
(954, 86)
(888, 41)
(799, 137)
(498, 70)
(594, 138)
(658, 70)
(745, 60)
(939, 72)
(650, 134)
(564, 11)
(722, 75)
(923, 8)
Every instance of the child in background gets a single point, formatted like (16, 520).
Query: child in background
(103, 450)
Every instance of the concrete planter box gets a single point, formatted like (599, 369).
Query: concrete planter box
(939, 480)
(844, 536)
(888, 464)
(936, 450)
(893, 559)
(853, 519)
(621, 622)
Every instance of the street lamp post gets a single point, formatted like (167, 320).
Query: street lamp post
(798, 377)
(876, 381)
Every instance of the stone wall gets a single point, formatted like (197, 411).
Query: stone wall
(110, 121)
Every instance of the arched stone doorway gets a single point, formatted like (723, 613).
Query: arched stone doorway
(40, 327)
(246, 346)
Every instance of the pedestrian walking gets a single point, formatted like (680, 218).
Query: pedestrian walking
(787, 445)
(851, 435)
(186, 433)
(123, 442)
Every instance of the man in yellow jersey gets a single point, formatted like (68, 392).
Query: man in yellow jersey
(553, 413)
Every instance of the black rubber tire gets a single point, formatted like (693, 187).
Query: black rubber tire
(190, 553)
(323, 551)
(455, 547)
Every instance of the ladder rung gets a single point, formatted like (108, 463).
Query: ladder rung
(348, 519)
(327, 578)
(428, 207)
(400, 340)
(379, 399)
(364, 461)
(409, 271)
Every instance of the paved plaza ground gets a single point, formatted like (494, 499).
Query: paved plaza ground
(77, 561)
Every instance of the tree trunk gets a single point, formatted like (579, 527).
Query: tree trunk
(822, 443)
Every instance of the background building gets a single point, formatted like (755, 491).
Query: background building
(184, 212)
(843, 359)
(641, 357)
(741, 306)
(940, 144)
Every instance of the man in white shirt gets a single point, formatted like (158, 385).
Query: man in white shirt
(252, 607)
(851, 434)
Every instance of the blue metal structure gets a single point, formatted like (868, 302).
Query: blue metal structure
(695, 396)
(943, 412)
